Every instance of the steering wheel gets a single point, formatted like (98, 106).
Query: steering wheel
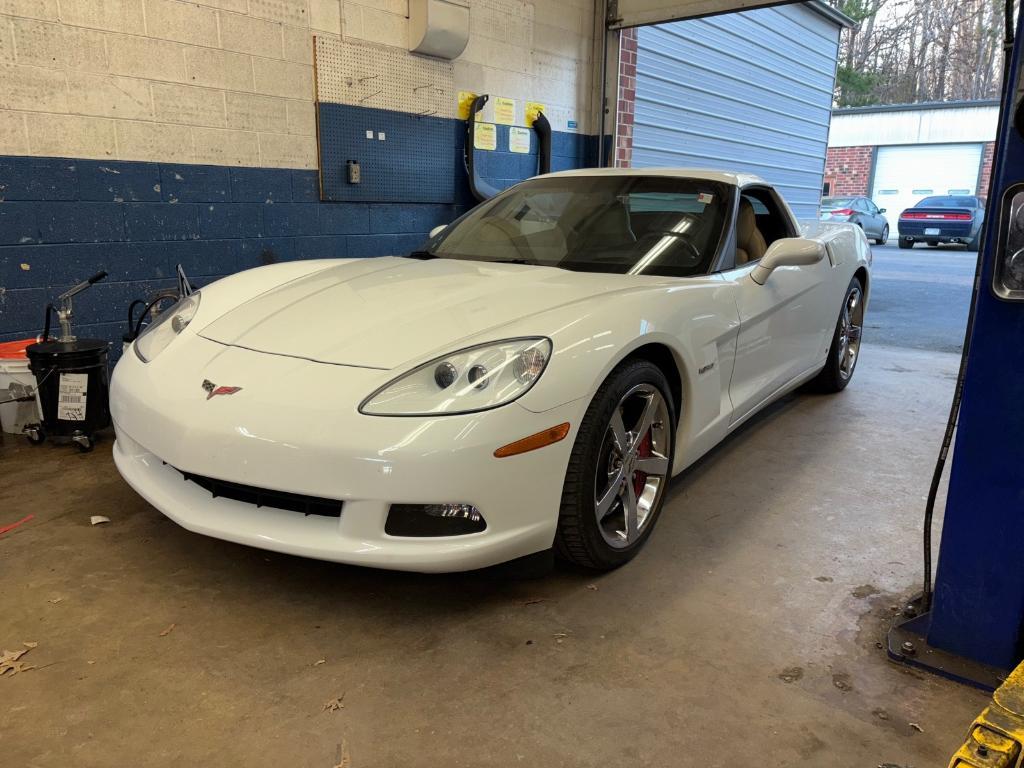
(681, 237)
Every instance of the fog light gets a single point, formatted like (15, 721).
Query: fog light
(433, 520)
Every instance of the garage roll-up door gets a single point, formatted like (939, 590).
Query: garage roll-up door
(748, 91)
(906, 174)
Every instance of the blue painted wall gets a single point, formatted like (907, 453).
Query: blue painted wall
(422, 157)
(61, 220)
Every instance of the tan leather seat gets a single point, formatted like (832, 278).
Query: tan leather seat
(750, 244)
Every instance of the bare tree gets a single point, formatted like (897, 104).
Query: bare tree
(906, 51)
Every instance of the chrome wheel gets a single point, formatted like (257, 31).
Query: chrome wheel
(851, 324)
(633, 465)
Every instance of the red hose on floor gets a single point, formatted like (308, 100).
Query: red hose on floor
(12, 526)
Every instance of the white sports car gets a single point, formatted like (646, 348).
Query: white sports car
(531, 379)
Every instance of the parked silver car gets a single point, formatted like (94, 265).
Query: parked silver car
(859, 211)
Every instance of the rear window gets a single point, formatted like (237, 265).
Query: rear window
(837, 202)
(948, 202)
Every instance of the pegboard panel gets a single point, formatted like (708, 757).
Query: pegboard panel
(394, 114)
(383, 78)
(414, 163)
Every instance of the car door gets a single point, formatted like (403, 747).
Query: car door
(877, 220)
(784, 327)
(867, 218)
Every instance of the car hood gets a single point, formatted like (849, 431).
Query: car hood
(380, 313)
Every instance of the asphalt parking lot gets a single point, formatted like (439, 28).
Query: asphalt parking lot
(920, 298)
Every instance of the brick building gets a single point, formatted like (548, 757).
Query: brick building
(897, 154)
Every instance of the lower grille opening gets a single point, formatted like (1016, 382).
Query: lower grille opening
(264, 497)
(419, 520)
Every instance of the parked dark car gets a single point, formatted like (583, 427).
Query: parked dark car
(943, 219)
(860, 211)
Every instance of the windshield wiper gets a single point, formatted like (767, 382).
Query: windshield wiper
(423, 255)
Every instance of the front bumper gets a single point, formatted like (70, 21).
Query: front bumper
(294, 427)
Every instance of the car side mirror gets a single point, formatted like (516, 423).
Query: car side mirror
(881, 210)
(788, 252)
(437, 231)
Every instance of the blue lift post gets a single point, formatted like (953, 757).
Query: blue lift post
(974, 630)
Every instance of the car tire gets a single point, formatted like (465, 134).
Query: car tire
(595, 527)
(844, 351)
(904, 243)
(884, 237)
(973, 244)
(932, 243)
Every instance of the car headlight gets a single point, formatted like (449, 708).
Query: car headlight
(162, 331)
(466, 381)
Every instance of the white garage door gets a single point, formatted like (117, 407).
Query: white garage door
(904, 175)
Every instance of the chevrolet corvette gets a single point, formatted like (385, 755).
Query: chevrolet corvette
(531, 378)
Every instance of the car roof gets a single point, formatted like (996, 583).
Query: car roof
(727, 177)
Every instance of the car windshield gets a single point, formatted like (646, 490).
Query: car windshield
(651, 225)
(947, 202)
(830, 203)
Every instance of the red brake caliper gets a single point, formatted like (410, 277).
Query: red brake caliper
(642, 451)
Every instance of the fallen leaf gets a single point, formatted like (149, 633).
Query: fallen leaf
(9, 661)
(917, 727)
(168, 631)
(99, 519)
(534, 600)
(334, 704)
(318, 662)
(560, 635)
(592, 587)
(55, 600)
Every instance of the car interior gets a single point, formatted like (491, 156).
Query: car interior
(759, 223)
(650, 226)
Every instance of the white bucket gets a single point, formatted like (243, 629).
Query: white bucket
(14, 417)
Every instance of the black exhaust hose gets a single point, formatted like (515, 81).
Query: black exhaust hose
(954, 409)
(481, 189)
(543, 129)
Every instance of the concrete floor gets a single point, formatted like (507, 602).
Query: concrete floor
(745, 633)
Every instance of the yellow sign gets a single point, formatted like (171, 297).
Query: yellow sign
(532, 108)
(519, 140)
(504, 111)
(465, 104)
(485, 136)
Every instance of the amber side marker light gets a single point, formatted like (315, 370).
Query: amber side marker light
(533, 442)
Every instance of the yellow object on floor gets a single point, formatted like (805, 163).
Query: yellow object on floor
(996, 736)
